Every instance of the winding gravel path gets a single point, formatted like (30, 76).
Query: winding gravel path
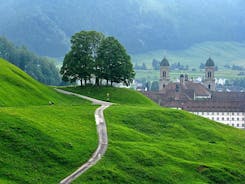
(102, 133)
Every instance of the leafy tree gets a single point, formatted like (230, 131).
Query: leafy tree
(178, 66)
(80, 62)
(114, 62)
(140, 67)
(236, 67)
(93, 55)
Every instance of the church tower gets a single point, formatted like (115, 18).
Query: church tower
(164, 74)
(209, 81)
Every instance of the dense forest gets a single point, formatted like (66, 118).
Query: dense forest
(41, 68)
(141, 25)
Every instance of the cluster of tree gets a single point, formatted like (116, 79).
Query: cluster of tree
(149, 85)
(202, 66)
(41, 68)
(154, 86)
(155, 64)
(178, 66)
(239, 82)
(235, 67)
(235, 84)
(140, 67)
(95, 56)
(175, 66)
(241, 73)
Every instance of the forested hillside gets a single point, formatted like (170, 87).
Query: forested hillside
(140, 25)
(41, 68)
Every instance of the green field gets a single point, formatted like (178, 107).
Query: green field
(41, 143)
(150, 144)
(221, 52)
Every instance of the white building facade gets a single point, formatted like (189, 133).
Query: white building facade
(235, 119)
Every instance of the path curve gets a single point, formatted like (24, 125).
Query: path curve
(102, 134)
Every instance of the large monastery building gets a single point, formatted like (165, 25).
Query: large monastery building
(200, 98)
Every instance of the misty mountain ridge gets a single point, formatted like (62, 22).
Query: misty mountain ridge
(141, 25)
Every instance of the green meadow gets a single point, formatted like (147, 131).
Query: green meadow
(41, 143)
(151, 144)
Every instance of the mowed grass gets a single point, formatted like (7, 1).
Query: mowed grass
(150, 144)
(41, 143)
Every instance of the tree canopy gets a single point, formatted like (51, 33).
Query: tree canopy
(94, 56)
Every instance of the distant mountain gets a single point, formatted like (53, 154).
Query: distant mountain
(141, 25)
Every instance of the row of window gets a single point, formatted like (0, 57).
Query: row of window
(227, 119)
(238, 125)
(220, 113)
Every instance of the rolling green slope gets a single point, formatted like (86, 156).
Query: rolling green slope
(41, 143)
(150, 144)
(116, 95)
(18, 89)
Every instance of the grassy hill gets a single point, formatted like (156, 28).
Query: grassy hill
(150, 144)
(40, 143)
(222, 53)
(19, 89)
(121, 96)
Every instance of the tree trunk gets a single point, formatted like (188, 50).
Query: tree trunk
(111, 83)
(107, 82)
(81, 82)
(97, 81)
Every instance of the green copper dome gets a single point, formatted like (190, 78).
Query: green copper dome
(164, 62)
(210, 62)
